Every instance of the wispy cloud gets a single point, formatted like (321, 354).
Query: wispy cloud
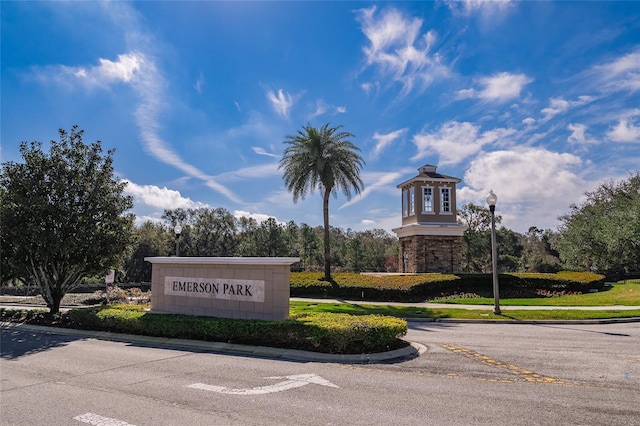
(255, 172)
(281, 102)
(384, 140)
(199, 84)
(622, 74)
(579, 134)
(324, 108)
(150, 89)
(559, 106)
(499, 87)
(485, 6)
(456, 141)
(374, 182)
(139, 71)
(399, 51)
(261, 151)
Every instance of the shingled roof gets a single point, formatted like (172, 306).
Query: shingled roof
(428, 172)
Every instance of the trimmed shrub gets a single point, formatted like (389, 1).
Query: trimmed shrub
(319, 332)
(419, 287)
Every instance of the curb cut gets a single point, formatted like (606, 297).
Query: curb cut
(411, 351)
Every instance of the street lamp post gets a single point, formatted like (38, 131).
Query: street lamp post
(177, 229)
(492, 199)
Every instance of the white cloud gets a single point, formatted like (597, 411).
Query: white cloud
(466, 94)
(502, 87)
(141, 219)
(579, 135)
(455, 141)
(124, 69)
(560, 106)
(497, 88)
(625, 131)
(399, 50)
(163, 198)
(369, 87)
(127, 67)
(281, 102)
(384, 140)
(321, 108)
(486, 6)
(556, 106)
(259, 217)
(531, 184)
(622, 74)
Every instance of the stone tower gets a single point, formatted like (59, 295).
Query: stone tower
(430, 236)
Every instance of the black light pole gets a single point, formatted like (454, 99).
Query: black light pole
(177, 229)
(492, 199)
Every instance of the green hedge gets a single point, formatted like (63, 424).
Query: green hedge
(319, 332)
(418, 287)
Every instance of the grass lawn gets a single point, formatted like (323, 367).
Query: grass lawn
(413, 312)
(619, 294)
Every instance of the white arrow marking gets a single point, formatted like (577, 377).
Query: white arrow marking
(96, 419)
(291, 382)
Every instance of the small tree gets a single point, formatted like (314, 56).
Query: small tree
(63, 215)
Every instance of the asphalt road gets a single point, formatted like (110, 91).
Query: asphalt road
(470, 374)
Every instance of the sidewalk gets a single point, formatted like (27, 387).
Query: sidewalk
(408, 304)
(470, 307)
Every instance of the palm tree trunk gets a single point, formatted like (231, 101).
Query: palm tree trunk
(327, 240)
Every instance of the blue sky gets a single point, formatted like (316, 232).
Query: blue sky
(539, 101)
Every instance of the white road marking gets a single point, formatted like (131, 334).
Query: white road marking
(291, 382)
(97, 420)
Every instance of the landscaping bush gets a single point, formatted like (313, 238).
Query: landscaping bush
(400, 288)
(319, 332)
(420, 287)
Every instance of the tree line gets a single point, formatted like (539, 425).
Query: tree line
(217, 232)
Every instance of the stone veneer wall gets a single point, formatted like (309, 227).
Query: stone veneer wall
(431, 253)
(274, 271)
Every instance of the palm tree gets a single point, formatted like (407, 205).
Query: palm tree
(326, 160)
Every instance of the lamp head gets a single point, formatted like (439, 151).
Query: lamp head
(492, 199)
(177, 229)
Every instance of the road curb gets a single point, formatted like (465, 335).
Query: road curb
(514, 321)
(411, 351)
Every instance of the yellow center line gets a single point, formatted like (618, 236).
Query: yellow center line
(520, 372)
